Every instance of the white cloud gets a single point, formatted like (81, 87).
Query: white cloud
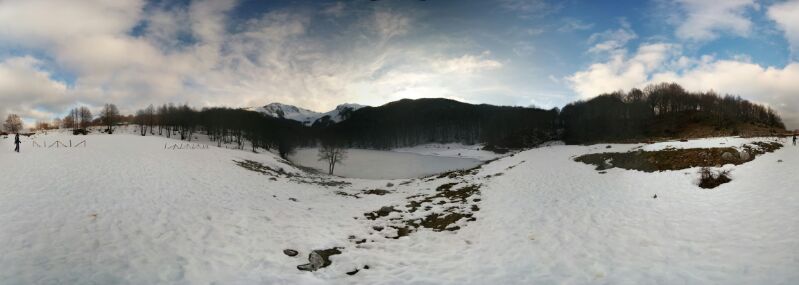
(786, 15)
(194, 54)
(778, 87)
(336, 10)
(467, 64)
(611, 40)
(534, 31)
(462, 78)
(389, 25)
(41, 22)
(523, 48)
(27, 90)
(703, 20)
(529, 8)
(208, 19)
(571, 24)
(621, 71)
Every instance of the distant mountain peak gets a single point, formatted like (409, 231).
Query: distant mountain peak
(308, 117)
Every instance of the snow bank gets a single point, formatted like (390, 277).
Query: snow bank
(735, 142)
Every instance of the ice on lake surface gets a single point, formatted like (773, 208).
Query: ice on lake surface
(378, 164)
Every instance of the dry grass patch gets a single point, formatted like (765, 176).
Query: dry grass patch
(709, 179)
(677, 159)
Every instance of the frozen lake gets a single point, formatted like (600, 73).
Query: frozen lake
(378, 164)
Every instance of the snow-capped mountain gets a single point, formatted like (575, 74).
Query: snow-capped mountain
(290, 112)
(308, 117)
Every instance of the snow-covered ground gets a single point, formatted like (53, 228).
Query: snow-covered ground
(377, 164)
(715, 142)
(735, 142)
(124, 210)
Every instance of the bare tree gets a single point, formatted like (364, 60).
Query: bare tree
(69, 121)
(109, 116)
(333, 154)
(149, 117)
(42, 125)
(141, 120)
(13, 123)
(78, 118)
(85, 116)
(57, 123)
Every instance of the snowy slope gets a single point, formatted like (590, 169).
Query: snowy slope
(306, 116)
(553, 221)
(125, 210)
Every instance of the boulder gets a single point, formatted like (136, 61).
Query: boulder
(290, 252)
(607, 164)
(744, 155)
(727, 156)
(315, 261)
(318, 259)
(306, 267)
(385, 210)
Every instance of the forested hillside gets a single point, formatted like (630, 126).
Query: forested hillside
(662, 111)
(657, 111)
(413, 122)
(225, 125)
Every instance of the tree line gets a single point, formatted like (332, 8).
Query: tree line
(77, 118)
(660, 110)
(412, 122)
(398, 124)
(223, 126)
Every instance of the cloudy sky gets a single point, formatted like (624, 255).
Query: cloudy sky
(57, 54)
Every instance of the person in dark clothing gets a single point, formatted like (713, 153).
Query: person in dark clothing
(16, 142)
(794, 139)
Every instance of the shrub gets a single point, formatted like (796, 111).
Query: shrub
(709, 179)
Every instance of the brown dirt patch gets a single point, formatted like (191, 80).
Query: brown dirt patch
(440, 222)
(676, 159)
(379, 192)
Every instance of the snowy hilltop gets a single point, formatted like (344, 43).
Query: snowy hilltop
(308, 117)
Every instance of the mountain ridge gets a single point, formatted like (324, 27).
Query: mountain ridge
(308, 117)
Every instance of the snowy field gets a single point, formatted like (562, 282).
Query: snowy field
(125, 210)
(377, 164)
